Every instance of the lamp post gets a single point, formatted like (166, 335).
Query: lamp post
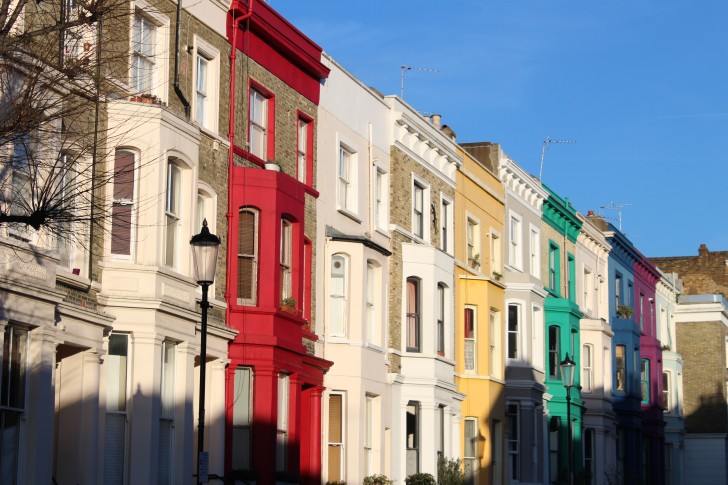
(567, 378)
(204, 257)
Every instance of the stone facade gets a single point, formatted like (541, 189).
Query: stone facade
(706, 273)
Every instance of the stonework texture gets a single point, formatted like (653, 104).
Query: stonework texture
(402, 168)
(704, 274)
(702, 346)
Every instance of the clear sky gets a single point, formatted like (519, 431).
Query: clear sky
(641, 85)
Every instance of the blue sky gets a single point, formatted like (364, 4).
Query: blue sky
(641, 85)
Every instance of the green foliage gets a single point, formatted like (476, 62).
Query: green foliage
(377, 480)
(420, 479)
(450, 472)
(624, 311)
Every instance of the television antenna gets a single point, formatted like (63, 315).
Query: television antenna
(546, 144)
(614, 207)
(406, 68)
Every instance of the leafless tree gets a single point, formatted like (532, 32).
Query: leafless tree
(55, 76)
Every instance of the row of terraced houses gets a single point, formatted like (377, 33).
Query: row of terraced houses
(438, 287)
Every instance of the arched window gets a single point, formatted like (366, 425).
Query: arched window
(338, 296)
(286, 259)
(172, 215)
(587, 370)
(413, 315)
(554, 353)
(123, 203)
(514, 324)
(470, 335)
(248, 256)
(441, 318)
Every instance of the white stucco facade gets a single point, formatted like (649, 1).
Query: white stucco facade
(153, 297)
(351, 281)
(600, 421)
(524, 296)
(425, 401)
(668, 289)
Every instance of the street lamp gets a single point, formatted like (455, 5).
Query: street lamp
(567, 378)
(204, 258)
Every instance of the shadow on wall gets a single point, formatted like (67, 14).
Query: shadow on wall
(711, 416)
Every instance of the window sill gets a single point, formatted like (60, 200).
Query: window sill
(212, 134)
(73, 280)
(351, 215)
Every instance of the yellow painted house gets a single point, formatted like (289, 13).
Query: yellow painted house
(479, 317)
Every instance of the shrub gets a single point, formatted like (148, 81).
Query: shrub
(377, 480)
(450, 472)
(420, 479)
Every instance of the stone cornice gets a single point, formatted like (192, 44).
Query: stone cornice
(521, 184)
(561, 216)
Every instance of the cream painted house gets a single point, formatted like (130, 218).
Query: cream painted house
(600, 423)
(352, 274)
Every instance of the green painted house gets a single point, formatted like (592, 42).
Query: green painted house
(559, 231)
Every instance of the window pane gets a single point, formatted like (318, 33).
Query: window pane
(241, 419)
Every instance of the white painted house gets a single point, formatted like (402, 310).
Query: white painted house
(600, 423)
(425, 402)
(352, 273)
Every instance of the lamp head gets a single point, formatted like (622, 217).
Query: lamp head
(204, 255)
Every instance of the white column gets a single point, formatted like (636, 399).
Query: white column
(428, 446)
(90, 452)
(40, 407)
(185, 417)
(216, 411)
(146, 352)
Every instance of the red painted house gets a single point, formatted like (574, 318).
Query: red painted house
(274, 379)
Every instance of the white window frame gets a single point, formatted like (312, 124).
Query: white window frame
(381, 199)
(125, 201)
(495, 343)
(441, 323)
(258, 122)
(159, 53)
(588, 289)
(207, 115)
(496, 252)
(303, 127)
(413, 449)
(242, 418)
(535, 251)
(165, 471)
(340, 445)
(110, 363)
(340, 329)
(470, 452)
(515, 243)
(347, 176)
(447, 228)
(519, 354)
(473, 249)
(587, 368)
(667, 397)
(282, 422)
(254, 257)
(471, 367)
(513, 440)
(369, 434)
(173, 214)
(374, 306)
(418, 183)
(286, 259)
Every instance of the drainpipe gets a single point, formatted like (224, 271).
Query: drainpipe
(177, 89)
(231, 139)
